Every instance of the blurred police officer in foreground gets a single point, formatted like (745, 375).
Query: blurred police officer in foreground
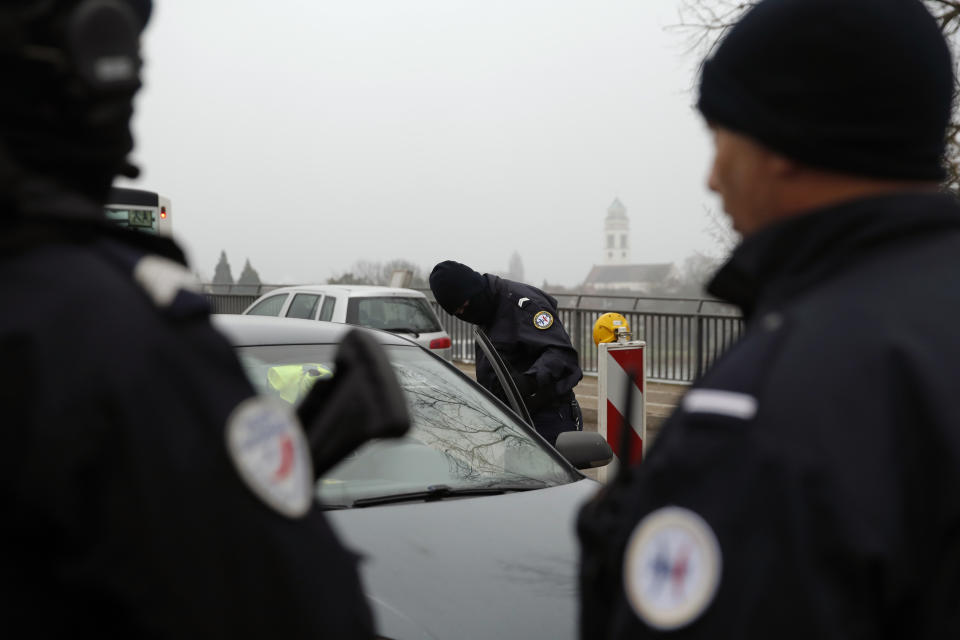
(521, 322)
(808, 486)
(145, 493)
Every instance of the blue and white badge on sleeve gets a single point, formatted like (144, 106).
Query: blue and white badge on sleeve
(671, 568)
(267, 445)
(543, 320)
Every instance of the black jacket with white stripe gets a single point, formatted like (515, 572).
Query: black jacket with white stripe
(823, 449)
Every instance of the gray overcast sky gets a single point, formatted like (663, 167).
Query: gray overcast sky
(305, 135)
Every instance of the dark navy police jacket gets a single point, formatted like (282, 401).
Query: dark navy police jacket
(528, 334)
(123, 514)
(808, 486)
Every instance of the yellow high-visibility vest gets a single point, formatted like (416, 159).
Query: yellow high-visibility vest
(293, 381)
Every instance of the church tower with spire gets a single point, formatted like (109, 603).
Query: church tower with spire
(616, 234)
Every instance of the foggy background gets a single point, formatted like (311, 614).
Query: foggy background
(305, 136)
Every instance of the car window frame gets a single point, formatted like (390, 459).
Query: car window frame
(507, 383)
(313, 313)
(280, 313)
(323, 304)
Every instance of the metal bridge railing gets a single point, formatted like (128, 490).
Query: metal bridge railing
(680, 346)
(255, 290)
(683, 335)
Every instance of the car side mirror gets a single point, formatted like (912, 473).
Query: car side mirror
(584, 449)
(362, 401)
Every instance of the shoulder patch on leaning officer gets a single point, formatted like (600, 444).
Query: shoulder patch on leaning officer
(671, 568)
(162, 279)
(543, 320)
(268, 448)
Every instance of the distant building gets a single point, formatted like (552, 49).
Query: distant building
(616, 231)
(616, 273)
(631, 278)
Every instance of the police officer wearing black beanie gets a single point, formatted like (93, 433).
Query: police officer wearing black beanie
(807, 485)
(523, 324)
(125, 512)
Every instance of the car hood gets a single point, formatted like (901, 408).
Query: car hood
(481, 567)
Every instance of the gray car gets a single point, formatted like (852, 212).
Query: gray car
(466, 524)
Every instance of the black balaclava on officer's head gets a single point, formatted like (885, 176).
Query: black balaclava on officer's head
(70, 70)
(454, 284)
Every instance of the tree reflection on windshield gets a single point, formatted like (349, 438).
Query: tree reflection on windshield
(460, 437)
(475, 437)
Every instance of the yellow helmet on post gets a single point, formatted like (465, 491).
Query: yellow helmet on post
(608, 327)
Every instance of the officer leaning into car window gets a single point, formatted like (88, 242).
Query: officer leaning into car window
(145, 493)
(808, 486)
(522, 323)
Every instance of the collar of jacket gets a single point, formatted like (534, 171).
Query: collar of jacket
(494, 283)
(18, 234)
(48, 212)
(787, 257)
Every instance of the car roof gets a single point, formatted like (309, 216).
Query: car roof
(350, 290)
(246, 331)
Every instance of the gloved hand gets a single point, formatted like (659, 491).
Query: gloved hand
(533, 395)
(527, 384)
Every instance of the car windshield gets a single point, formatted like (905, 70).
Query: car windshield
(461, 439)
(393, 313)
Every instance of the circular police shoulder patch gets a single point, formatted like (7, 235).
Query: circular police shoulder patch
(671, 568)
(269, 450)
(543, 320)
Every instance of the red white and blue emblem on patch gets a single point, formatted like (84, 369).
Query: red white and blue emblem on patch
(543, 320)
(671, 568)
(267, 445)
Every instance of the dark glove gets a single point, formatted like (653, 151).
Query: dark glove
(527, 384)
(533, 395)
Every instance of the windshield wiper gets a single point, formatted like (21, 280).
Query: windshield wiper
(331, 507)
(416, 334)
(441, 491)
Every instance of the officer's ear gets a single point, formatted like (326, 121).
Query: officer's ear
(781, 166)
(362, 401)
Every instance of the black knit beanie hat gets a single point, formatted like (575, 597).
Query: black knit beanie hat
(857, 86)
(453, 284)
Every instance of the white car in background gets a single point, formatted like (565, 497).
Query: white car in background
(402, 311)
